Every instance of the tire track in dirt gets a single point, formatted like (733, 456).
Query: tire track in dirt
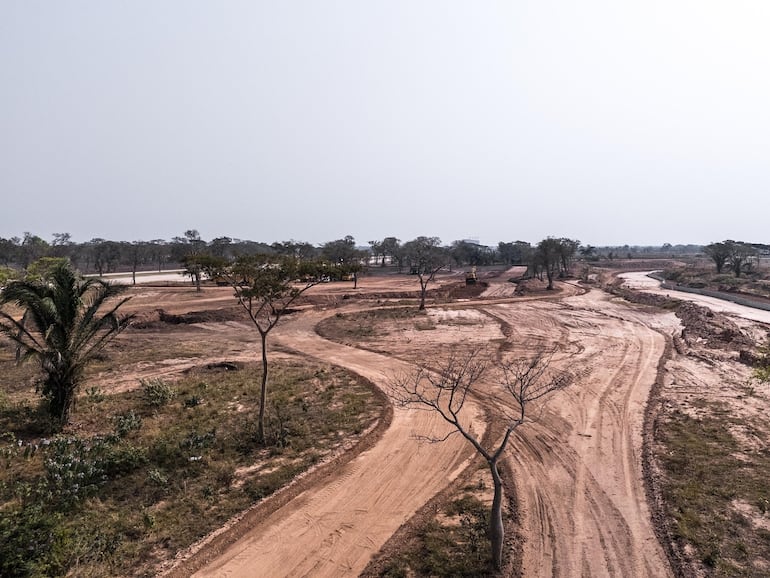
(578, 471)
(578, 466)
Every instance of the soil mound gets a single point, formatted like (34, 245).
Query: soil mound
(711, 329)
(160, 317)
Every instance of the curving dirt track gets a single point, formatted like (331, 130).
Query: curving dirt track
(333, 530)
(578, 463)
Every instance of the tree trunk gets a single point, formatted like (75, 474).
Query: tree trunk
(423, 290)
(496, 529)
(60, 399)
(263, 391)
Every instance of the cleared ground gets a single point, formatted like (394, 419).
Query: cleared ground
(578, 465)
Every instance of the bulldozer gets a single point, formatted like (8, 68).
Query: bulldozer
(470, 277)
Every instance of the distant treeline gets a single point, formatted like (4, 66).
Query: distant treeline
(106, 256)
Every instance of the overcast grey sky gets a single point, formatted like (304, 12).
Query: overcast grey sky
(612, 122)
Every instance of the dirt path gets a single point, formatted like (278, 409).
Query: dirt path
(578, 467)
(333, 530)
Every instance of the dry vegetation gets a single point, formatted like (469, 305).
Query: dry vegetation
(144, 473)
(702, 275)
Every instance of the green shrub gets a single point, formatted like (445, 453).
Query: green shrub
(157, 478)
(72, 471)
(192, 401)
(156, 392)
(195, 440)
(32, 542)
(127, 422)
(122, 459)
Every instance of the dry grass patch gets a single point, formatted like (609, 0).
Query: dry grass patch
(452, 542)
(145, 474)
(715, 488)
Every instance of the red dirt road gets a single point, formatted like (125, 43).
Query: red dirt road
(577, 464)
(334, 530)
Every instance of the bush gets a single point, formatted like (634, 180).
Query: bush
(156, 392)
(31, 542)
(122, 459)
(72, 471)
(127, 422)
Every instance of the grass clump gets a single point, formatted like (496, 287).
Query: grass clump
(454, 543)
(156, 392)
(716, 492)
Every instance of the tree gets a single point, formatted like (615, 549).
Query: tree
(426, 257)
(516, 253)
(220, 246)
(67, 322)
(158, 252)
(552, 256)
(190, 251)
(719, 253)
(567, 250)
(296, 249)
(105, 254)
(9, 250)
(445, 392)
(588, 252)
(134, 254)
(468, 253)
(391, 247)
(32, 248)
(62, 246)
(342, 251)
(193, 264)
(547, 258)
(375, 248)
(265, 287)
(345, 259)
(741, 256)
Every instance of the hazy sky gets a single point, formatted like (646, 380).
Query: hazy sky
(612, 122)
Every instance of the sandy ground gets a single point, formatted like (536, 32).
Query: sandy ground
(578, 466)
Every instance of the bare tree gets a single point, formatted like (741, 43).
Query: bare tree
(525, 381)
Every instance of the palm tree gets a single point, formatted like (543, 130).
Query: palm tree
(65, 324)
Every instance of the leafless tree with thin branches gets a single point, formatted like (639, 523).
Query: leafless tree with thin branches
(459, 375)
